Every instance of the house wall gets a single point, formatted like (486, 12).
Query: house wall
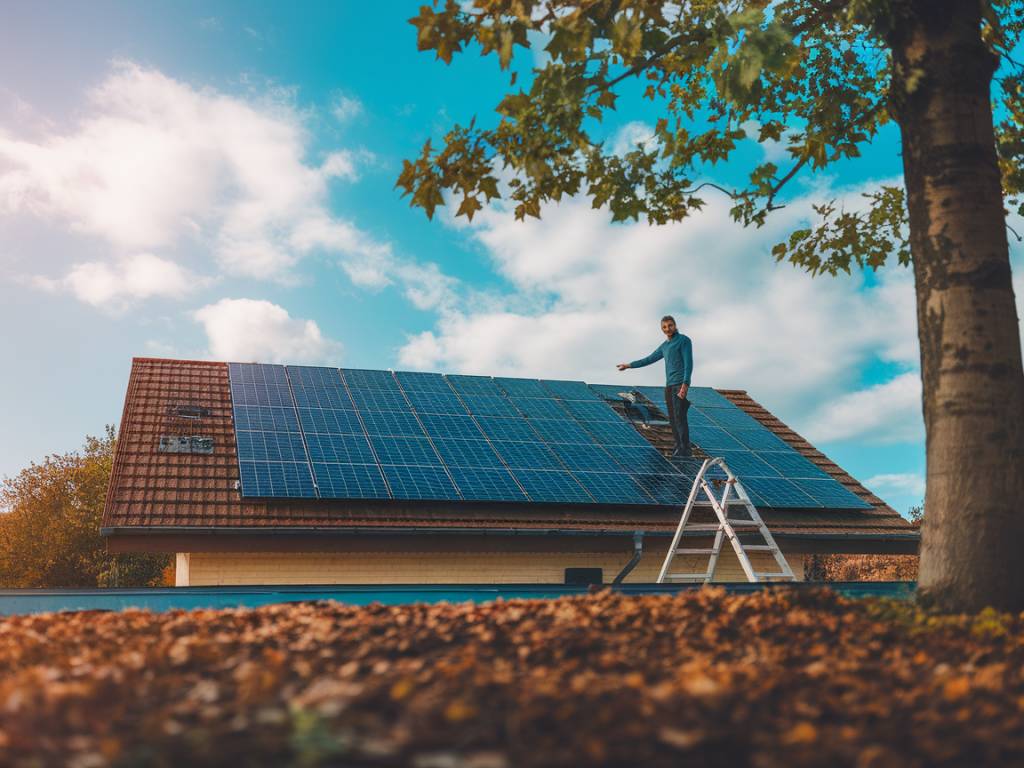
(441, 564)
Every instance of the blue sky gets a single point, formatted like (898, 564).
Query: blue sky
(215, 180)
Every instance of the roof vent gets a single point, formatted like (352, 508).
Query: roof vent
(186, 444)
(188, 411)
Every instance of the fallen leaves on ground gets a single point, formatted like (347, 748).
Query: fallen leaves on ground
(777, 678)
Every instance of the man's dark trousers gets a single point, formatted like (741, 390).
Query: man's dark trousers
(677, 409)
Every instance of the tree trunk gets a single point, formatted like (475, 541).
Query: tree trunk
(972, 552)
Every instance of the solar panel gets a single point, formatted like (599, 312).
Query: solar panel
(568, 390)
(549, 486)
(270, 446)
(831, 494)
(496, 428)
(706, 397)
(468, 453)
(489, 405)
(731, 418)
(321, 397)
(778, 492)
(591, 410)
(614, 433)
(540, 407)
(257, 373)
(475, 385)
(712, 439)
(639, 459)
(247, 393)
(265, 418)
(585, 456)
(486, 484)
(695, 417)
(447, 427)
(521, 455)
(612, 391)
(313, 376)
(560, 431)
(613, 488)
(339, 449)
(394, 423)
(433, 401)
(665, 488)
(760, 439)
(748, 464)
(326, 420)
(276, 479)
(419, 483)
(373, 400)
(791, 464)
(522, 387)
(357, 378)
(350, 481)
(404, 450)
(414, 381)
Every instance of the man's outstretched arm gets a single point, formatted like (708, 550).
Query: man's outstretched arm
(654, 357)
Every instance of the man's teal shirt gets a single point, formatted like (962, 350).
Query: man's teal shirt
(678, 355)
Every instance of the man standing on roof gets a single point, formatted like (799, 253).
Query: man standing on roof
(677, 350)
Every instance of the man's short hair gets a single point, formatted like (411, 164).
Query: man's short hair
(666, 318)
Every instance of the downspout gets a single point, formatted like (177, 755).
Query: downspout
(638, 551)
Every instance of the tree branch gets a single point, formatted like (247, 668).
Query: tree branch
(636, 69)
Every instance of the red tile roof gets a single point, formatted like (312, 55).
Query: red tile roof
(156, 491)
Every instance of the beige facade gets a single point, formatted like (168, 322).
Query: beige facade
(457, 564)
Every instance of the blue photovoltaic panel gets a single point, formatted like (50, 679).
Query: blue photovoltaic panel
(706, 397)
(328, 421)
(521, 455)
(496, 428)
(760, 439)
(447, 427)
(540, 407)
(489, 405)
(665, 488)
(248, 393)
(691, 466)
(257, 373)
(731, 418)
(613, 488)
(468, 453)
(614, 433)
(791, 464)
(712, 439)
(522, 387)
(591, 410)
(363, 379)
(748, 464)
(585, 456)
(695, 417)
(276, 479)
(475, 385)
(421, 483)
(265, 418)
(374, 400)
(393, 423)
(831, 494)
(560, 431)
(321, 397)
(431, 401)
(655, 394)
(486, 484)
(350, 481)
(339, 449)
(568, 390)
(311, 376)
(270, 446)
(414, 381)
(404, 450)
(639, 459)
(612, 391)
(777, 492)
(549, 486)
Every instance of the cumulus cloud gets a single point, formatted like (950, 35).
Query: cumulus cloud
(253, 330)
(908, 483)
(887, 412)
(116, 285)
(346, 108)
(156, 163)
(584, 294)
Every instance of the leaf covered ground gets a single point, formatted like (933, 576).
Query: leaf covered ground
(777, 678)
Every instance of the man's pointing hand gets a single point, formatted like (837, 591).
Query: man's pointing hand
(622, 366)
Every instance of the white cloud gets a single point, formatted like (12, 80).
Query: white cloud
(116, 285)
(156, 163)
(909, 484)
(253, 330)
(630, 135)
(346, 108)
(887, 412)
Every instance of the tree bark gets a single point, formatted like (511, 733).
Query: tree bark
(972, 552)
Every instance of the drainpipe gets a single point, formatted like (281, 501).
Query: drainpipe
(638, 551)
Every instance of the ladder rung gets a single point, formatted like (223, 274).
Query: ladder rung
(759, 547)
(736, 501)
(771, 575)
(734, 523)
(686, 576)
(704, 527)
(694, 551)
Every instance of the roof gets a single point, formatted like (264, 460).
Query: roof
(153, 491)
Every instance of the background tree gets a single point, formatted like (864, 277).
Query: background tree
(50, 525)
(822, 76)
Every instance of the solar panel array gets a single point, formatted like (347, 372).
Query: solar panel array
(328, 433)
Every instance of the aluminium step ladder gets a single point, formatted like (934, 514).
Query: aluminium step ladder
(733, 497)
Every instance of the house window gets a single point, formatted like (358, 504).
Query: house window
(584, 576)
